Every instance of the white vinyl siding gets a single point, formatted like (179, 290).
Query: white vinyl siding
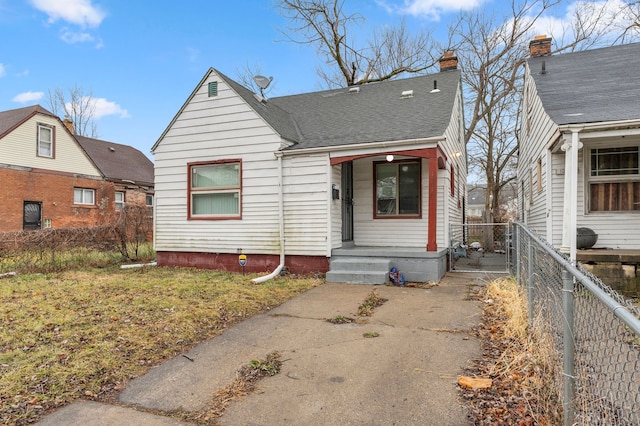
(224, 127)
(455, 150)
(385, 232)
(306, 194)
(19, 149)
(537, 134)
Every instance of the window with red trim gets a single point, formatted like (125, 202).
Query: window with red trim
(215, 190)
(398, 189)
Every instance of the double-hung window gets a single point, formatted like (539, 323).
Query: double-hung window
(614, 179)
(85, 196)
(398, 189)
(119, 200)
(45, 140)
(215, 190)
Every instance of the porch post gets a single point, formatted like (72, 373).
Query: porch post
(570, 213)
(432, 245)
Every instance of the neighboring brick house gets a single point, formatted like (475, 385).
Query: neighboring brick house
(130, 171)
(49, 180)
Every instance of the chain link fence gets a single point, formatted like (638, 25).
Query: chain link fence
(596, 333)
(479, 247)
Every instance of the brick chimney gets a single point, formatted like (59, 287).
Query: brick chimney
(540, 46)
(68, 123)
(448, 61)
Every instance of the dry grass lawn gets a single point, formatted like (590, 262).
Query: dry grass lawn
(84, 334)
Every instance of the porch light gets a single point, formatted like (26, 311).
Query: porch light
(390, 157)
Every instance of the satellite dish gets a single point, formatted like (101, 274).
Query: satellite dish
(262, 82)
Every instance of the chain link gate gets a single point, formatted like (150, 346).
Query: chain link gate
(480, 247)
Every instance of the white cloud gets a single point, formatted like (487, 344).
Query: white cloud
(79, 12)
(25, 97)
(73, 37)
(105, 107)
(3, 71)
(433, 9)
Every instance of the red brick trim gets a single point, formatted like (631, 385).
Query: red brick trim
(256, 263)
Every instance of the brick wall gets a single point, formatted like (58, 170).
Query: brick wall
(55, 191)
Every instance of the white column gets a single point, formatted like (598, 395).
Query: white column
(570, 212)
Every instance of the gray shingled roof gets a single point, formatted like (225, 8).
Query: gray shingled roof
(14, 117)
(591, 86)
(117, 161)
(280, 120)
(374, 114)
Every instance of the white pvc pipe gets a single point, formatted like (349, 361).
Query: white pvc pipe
(138, 265)
(277, 271)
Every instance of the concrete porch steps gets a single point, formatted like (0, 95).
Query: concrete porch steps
(358, 270)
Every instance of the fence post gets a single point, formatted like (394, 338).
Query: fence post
(530, 276)
(568, 343)
(516, 245)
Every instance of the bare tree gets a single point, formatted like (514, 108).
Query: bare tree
(245, 76)
(390, 51)
(491, 51)
(631, 22)
(77, 106)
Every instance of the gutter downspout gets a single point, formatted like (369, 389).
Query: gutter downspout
(277, 271)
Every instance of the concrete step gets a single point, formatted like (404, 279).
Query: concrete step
(358, 270)
(372, 264)
(356, 277)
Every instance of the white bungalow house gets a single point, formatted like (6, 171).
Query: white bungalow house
(580, 145)
(315, 182)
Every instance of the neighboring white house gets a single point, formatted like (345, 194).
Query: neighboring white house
(580, 145)
(288, 180)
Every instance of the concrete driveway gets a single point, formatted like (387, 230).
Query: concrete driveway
(332, 374)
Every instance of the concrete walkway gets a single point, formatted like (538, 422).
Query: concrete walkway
(331, 374)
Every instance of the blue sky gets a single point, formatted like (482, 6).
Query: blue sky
(141, 60)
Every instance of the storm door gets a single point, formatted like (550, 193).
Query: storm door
(32, 218)
(347, 201)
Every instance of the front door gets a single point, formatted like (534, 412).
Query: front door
(32, 217)
(347, 201)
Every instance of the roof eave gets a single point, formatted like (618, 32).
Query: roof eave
(366, 146)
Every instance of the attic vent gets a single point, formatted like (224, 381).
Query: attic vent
(354, 89)
(213, 88)
(112, 149)
(407, 94)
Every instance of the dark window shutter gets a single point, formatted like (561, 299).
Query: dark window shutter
(213, 88)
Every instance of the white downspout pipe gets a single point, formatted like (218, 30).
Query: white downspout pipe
(277, 271)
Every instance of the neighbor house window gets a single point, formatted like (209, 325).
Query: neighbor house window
(45, 140)
(149, 200)
(398, 189)
(215, 190)
(614, 179)
(84, 196)
(539, 175)
(119, 200)
(452, 181)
